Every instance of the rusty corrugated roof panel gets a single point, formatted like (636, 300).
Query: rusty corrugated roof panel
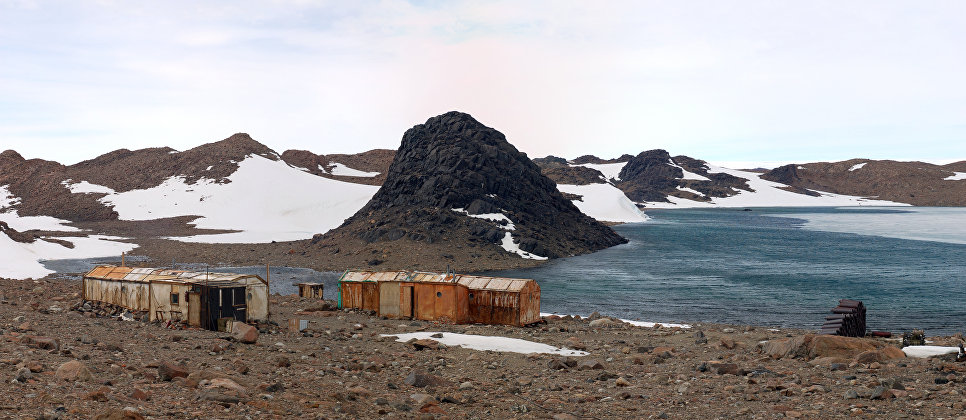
(118, 273)
(494, 283)
(110, 272)
(423, 277)
(387, 275)
(100, 271)
(357, 276)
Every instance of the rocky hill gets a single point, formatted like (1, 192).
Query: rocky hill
(458, 193)
(916, 183)
(366, 168)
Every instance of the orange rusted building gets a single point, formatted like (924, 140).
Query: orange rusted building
(444, 297)
(360, 289)
(495, 300)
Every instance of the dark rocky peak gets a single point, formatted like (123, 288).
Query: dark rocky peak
(550, 160)
(785, 174)
(451, 167)
(452, 161)
(649, 164)
(596, 160)
(691, 164)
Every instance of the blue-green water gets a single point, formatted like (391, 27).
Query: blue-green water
(778, 267)
(775, 267)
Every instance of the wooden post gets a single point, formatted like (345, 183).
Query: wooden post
(268, 291)
(122, 259)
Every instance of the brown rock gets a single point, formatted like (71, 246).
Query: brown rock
(591, 364)
(46, 343)
(811, 346)
(244, 333)
(119, 414)
(168, 371)
(728, 343)
(73, 370)
(422, 380)
(193, 379)
(425, 344)
(139, 394)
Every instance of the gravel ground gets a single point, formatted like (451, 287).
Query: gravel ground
(341, 367)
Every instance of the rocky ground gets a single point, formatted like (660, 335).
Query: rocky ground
(63, 363)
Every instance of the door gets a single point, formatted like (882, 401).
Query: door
(194, 309)
(406, 302)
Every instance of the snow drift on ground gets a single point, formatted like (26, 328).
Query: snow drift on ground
(770, 194)
(857, 166)
(342, 170)
(485, 342)
(956, 176)
(266, 200)
(923, 352)
(604, 202)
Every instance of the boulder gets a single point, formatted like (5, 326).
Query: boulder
(811, 346)
(168, 371)
(244, 333)
(73, 370)
(423, 379)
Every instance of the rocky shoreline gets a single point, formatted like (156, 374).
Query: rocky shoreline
(64, 363)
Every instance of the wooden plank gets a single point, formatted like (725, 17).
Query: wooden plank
(406, 301)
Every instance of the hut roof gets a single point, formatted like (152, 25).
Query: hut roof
(364, 275)
(144, 275)
(493, 283)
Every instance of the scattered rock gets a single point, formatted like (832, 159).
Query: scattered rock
(73, 370)
(244, 333)
(422, 380)
(168, 371)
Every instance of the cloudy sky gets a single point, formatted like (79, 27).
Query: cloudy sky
(717, 80)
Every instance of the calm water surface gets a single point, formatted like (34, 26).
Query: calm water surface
(774, 267)
(779, 267)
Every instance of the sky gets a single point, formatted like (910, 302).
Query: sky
(724, 81)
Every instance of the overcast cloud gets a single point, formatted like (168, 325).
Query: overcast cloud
(722, 81)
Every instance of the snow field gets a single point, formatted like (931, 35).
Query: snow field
(266, 200)
(605, 202)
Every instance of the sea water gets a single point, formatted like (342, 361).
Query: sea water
(783, 267)
(773, 267)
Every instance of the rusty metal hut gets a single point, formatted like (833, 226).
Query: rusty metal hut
(425, 296)
(504, 301)
(359, 289)
(201, 298)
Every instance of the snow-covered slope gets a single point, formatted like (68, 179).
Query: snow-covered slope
(266, 200)
(769, 194)
(604, 202)
(22, 260)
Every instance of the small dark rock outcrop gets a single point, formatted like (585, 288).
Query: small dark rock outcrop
(649, 176)
(454, 162)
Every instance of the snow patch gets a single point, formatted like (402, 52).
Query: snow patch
(85, 187)
(858, 166)
(956, 176)
(923, 352)
(605, 202)
(508, 245)
(24, 223)
(209, 167)
(688, 175)
(265, 199)
(342, 170)
(686, 189)
(610, 170)
(496, 217)
(488, 343)
(22, 261)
